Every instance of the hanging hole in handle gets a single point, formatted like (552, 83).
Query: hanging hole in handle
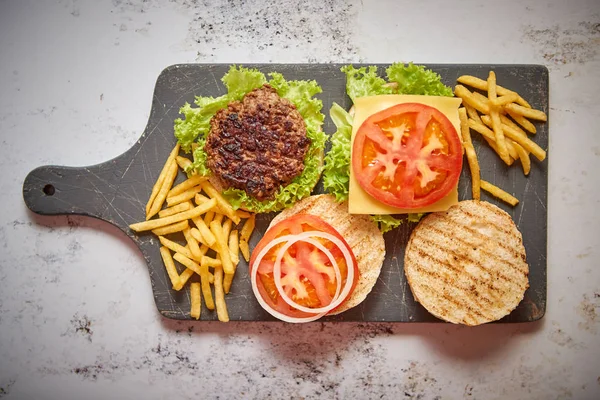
(49, 190)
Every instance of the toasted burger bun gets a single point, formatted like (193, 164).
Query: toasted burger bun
(359, 231)
(467, 265)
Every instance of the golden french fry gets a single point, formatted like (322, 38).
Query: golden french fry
(170, 266)
(470, 151)
(483, 85)
(195, 300)
(492, 144)
(174, 210)
(200, 198)
(496, 123)
(223, 204)
(226, 229)
(499, 193)
(524, 157)
(186, 185)
(218, 218)
(472, 112)
(206, 278)
(161, 178)
(164, 189)
(235, 259)
(220, 296)
(524, 122)
(525, 142)
(157, 223)
(185, 196)
(245, 249)
(227, 279)
(197, 235)
(165, 230)
(507, 121)
(468, 98)
(506, 99)
(211, 262)
(221, 246)
(487, 134)
(187, 262)
(248, 227)
(243, 214)
(183, 162)
(527, 112)
(511, 150)
(184, 277)
(192, 244)
(207, 235)
(175, 247)
(208, 218)
(204, 249)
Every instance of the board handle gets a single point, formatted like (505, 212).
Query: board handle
(55, 190)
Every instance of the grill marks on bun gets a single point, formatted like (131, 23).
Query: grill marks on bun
(467, 265)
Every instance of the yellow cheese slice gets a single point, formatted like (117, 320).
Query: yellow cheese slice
(359, 201)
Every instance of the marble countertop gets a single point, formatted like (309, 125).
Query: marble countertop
(77, 317)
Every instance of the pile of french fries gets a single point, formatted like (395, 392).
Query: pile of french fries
(206, 225)
(502, 118)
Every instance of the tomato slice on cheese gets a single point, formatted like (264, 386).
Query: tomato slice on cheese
(307, 274)
(407, 156)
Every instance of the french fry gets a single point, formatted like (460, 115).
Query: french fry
(196, 301)
(221, 246)
(524, 122)
(165, 230)
(511, 150)
(208, 218)
(488, 135)
(170, 266)
(157, 223)
(245, 249)
(483, 85)
(243, 214)
(468, 98)
(186, 185)
(185, 196)
(235, 259)
(248, 228)
(207, 235)
(524, 157)
(200, 198)
(226, 229)
(496, 123)
(507, 121)
(525, 142)
(223, 204)
(187, 262)
(183, 162)
(211, 262)
(192, 244)
(204, 249)
(499, 193)
(197, 235)
(492, 144)
(506, 99)
(184, 277)
(164, 189)
(175, 247)
(161, 178)
(470, 151)
(205, 281)
(220, 296)
(174, 210)
(472, 112)
(218, 218)
(527, 112)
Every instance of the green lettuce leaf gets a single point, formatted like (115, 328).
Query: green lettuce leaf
(386, 223)
(415, 217)
(191, 132)
(364, 82)
(415, 79)
(336, 176)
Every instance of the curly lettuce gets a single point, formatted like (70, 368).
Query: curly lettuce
(365, 81)
(192, 130)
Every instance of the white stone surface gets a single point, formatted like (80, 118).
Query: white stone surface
(77, 317)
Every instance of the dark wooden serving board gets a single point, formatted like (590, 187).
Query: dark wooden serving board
(116, 191)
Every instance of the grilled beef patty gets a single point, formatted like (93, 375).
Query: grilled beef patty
(258, 144)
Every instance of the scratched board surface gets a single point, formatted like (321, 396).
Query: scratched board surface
(116, 191)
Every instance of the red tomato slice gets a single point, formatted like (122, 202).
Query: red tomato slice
(407, 156)
(308, 277)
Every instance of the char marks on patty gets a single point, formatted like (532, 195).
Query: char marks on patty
(258, 144)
